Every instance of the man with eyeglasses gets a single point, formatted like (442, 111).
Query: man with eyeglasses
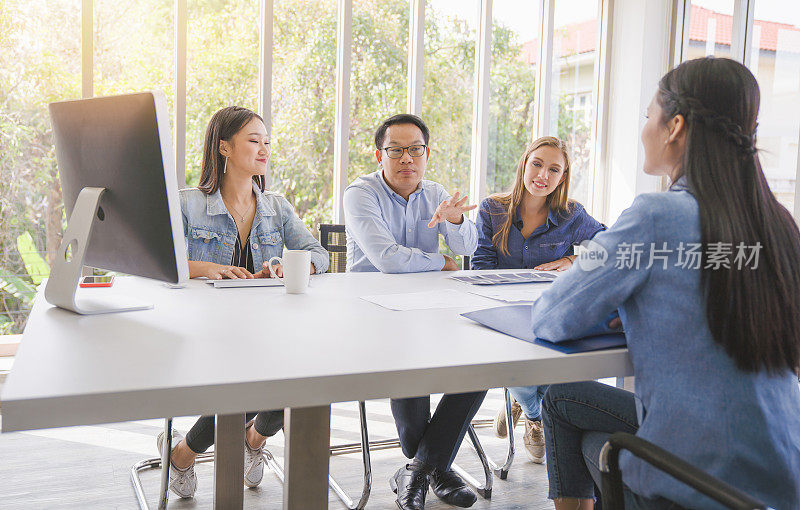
(393, 221)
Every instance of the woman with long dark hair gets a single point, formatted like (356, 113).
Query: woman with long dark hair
(706, 278)
(233, 226)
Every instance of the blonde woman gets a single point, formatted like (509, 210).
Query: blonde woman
(534, 226)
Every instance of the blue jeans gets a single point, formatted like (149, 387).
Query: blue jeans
(529, 399)
(577, 419)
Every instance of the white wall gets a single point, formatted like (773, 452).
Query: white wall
(639, 57)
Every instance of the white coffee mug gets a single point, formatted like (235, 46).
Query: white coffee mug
(296, 270)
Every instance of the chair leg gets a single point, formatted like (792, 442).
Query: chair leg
(154, 463)
(365, 457)
(502, 471)
(485, 489)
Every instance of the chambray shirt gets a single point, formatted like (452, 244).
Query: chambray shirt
(385, 233)
(550, 241)
(692, 400)
(210, 231)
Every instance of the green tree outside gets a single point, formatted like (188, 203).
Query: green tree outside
(134, 46)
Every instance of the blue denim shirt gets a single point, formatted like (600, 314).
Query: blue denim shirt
(550, 241)
(692, 400)
(210, 231)
(385, 233)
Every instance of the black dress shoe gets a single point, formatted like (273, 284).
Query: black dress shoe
(410, 486)
(450, 488)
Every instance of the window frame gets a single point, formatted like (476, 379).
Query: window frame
(480, 122)
(741, 49)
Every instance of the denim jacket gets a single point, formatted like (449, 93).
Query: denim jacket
(210, 231)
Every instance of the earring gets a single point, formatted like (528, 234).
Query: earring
(225, 167)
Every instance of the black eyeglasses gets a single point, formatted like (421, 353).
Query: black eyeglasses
(414, 151)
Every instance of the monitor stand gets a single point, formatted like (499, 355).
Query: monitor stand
(65, 274)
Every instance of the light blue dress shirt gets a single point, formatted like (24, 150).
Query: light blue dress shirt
(692, 400)
(385, 233)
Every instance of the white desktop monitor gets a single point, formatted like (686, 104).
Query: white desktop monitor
(115, 162)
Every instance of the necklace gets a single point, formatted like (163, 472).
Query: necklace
(240, 214)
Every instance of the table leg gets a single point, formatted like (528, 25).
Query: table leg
(229, 461)
(307, 431)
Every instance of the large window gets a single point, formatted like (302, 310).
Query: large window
(515, 33)
(131, 40)
(41, 62)
(710, 29)
(572, 87)
(222, 68)
(448, 90)
(378, 77)
(303, 97)
(775, 61)
(448, 93)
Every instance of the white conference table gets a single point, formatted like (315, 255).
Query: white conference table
(203, 350)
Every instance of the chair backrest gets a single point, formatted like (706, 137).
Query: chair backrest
(333, 238)
(677, 468)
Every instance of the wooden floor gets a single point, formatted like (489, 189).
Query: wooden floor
(88, 467)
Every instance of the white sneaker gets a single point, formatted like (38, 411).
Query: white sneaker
(253, 465)
(183, 482)
(534, 440)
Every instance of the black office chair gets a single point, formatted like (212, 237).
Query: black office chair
(671, 465)
(334, 239)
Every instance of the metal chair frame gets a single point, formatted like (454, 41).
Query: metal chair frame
(714, 488)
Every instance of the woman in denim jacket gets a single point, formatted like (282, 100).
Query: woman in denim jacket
(232, 228)
(706, 277)
(533, 227)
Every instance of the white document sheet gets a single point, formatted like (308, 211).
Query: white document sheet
(446, 298)
(522, 293)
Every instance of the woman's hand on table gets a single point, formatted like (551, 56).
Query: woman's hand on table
(561, 264)
(214, 271)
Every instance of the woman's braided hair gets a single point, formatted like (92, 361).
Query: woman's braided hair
(752, 312)
(694, 111)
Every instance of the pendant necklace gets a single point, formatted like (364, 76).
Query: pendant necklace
(238, 213)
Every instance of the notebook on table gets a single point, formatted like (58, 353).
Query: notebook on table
(515, 320)
(505, 278)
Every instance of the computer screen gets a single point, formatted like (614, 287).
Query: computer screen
(120, 147)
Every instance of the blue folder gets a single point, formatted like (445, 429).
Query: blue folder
(515, 320)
